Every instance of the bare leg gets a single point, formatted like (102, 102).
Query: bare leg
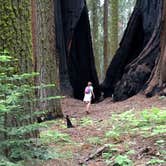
(87, 107)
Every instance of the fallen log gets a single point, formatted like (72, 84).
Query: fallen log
(97, 153)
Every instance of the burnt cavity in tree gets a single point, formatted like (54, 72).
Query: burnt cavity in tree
(136, 62)
(75, 47)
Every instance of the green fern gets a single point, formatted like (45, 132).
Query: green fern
(16, 100)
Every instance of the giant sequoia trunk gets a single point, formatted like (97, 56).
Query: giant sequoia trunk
(15, 37)
(74, 46)
(45, 56)
(139, 63)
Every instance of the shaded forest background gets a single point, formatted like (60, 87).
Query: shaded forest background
(108, 19)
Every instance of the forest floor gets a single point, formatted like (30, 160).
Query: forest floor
(114, 133)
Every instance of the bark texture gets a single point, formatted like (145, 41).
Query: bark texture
(114, 27)
(95, 35)
(136, 62)
(157, 81)
(15, 32)
(75, 46)
(45, 57)
(105, 25)
(15, 37)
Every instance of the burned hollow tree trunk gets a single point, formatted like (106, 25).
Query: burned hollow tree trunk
(136, 61)
(157, 81)
(75, 47)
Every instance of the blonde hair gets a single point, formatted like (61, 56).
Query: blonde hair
(89, 83)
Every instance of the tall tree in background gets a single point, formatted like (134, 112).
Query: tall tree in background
(114, 26)
(45, 56)
(95, 34)
(105, 27)
(125, 11)
(125, 8)
(100, 38)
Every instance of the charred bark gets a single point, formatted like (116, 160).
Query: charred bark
(75, 47)
(136, 60)
(157, 81)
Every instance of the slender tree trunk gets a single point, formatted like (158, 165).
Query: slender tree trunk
(105, 35)
(114, 27)
(45, 54)
(95, 35)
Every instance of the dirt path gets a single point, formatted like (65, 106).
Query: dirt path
(76, 108)
(99, 113)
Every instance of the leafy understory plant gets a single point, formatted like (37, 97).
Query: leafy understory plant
(123, 160)
(95, 140)
(155, 161)
(119, 160)
(130, 124)
(18, 128)
(86, 121)
(49, 136)
(147, 123)
(110, 153)
(115, 134)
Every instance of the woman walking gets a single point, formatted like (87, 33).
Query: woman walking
(88, 94)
